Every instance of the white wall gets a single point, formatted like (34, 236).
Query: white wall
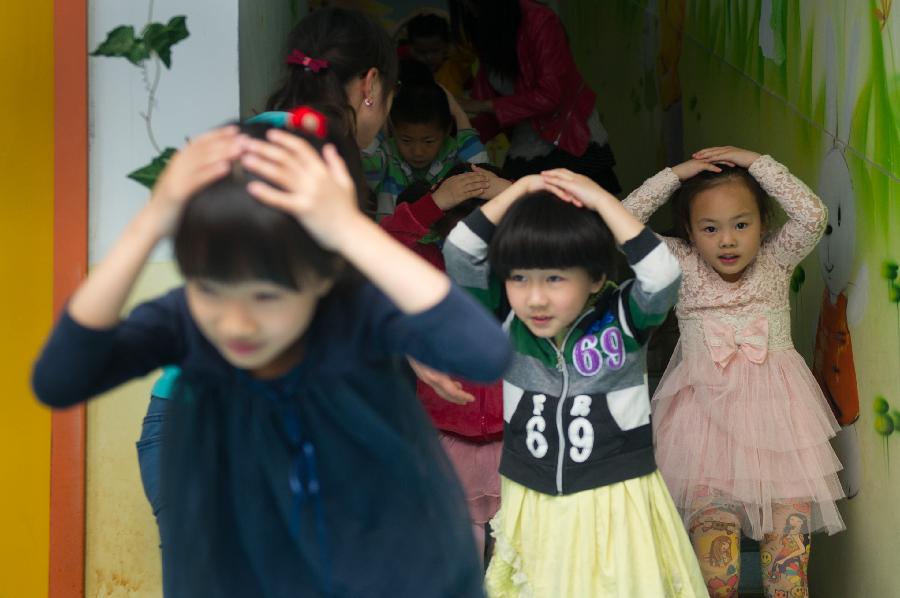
(200, 91)
(263, 27)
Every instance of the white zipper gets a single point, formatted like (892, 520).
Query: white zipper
(561, 366)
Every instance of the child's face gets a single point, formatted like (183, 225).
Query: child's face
(548, 301)
(418, 143)
(726, 228)
(431, 51)
(255, 325)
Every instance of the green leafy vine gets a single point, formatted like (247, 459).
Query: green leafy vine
(153, 44)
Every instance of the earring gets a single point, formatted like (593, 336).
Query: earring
(369, 102)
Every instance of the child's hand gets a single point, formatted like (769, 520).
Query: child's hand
(583, 192)
(496, 184)
(458, 188)
(692, 168)
(497, 207)
(446, 387)
(317, 190)
(727, 154)
(576, 189)
(203, 160)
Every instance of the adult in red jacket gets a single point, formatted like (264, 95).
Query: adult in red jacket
(529, 86)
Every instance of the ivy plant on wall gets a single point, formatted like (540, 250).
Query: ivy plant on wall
(154, 46)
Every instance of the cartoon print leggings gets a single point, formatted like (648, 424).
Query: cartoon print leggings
(784, 554)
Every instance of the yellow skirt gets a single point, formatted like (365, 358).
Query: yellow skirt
(625, 540)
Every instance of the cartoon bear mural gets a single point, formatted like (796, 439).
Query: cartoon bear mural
(843, 300)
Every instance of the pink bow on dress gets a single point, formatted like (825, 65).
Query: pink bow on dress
(723, 343)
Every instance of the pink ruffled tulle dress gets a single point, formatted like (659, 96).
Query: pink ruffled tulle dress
(739, 420)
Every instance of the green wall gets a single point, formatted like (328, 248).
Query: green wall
(815, 83)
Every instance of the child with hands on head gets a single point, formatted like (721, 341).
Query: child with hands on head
(584, 510)
(741, 427)
(422, 145)
(295, 459)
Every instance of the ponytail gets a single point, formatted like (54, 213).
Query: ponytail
(325, 51)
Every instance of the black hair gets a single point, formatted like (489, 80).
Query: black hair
(492, 27)
(420, 100)
(427, 25)
(542, 231)
(227, 235)
(352, 43)
(804, 525)
(707, 180)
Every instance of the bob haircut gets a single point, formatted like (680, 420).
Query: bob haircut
(707, 180)
(227, 235)
(542, 231)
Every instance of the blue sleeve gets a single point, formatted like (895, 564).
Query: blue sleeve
(78, 362)
(469, 147)
(456, 336)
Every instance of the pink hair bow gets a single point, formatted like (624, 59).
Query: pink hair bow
(724, 342)
(313, 64)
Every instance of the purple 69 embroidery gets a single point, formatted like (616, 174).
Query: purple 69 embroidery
(588, 359)
(614, 347)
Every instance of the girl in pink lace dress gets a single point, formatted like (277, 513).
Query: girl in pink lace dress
(740, 424)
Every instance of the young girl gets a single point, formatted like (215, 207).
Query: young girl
(741, 426)
(422, 146)
(344, 64)
(584, 511)
(296, 461)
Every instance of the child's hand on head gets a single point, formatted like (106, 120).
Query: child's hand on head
(576, 188)
(727, 155)
(458, 188)
(205, 159)
(692, 168)
(496, 184)
(315, 189)
(496, 207)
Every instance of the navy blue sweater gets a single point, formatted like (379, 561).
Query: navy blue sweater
(326, 482)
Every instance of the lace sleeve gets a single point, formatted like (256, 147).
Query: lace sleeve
(807, 215)
(649, 197)
(646, 199)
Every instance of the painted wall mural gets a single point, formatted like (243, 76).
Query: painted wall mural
(815, 83)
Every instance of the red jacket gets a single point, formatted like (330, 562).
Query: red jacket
(550, 93)
(483, 418)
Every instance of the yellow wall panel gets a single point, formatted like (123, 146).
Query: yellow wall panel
(122, 554)
(26, 269)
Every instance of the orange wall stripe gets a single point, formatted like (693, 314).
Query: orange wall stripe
(70, 256)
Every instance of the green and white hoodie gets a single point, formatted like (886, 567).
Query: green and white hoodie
(578, 416)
